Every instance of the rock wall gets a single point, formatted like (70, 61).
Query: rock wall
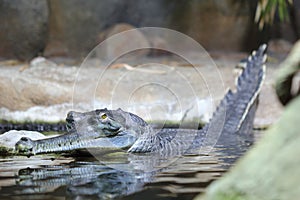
(220, 25)
(70, 28)
(23, 28)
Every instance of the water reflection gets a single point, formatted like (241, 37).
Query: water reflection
(118, 175)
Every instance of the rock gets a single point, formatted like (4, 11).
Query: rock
(10, 138)
(158, 45)
(73, 29)
(286, 87)
(74, 25)
(42, 84)
(218, 25)
(41, 62)
(23, 28)
(115, 47)
(70, 28)
(155, 13)
(45, 92)
(279, 46)
(137, 39)
(118, 28)
(296, 12)
(40, 114)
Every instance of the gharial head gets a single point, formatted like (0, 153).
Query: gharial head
(101, 129)
(112, 128)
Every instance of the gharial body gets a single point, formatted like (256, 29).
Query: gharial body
(117, 129)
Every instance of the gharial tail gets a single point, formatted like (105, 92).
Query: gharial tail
(236, 111)
(234, 114)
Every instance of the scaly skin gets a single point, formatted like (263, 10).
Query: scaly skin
(117, 129)
(106, 129)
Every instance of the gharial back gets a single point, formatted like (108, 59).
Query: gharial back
(233, 117)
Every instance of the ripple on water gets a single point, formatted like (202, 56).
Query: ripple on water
(55, 177)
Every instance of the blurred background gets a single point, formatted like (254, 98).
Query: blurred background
(43, 44)
(72, 28)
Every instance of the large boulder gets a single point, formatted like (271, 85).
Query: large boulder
(43, 83)
(288, 76)
(218, 25)
(74, 25)
(296, 13)
(115, 47)
(45, 92)
(23, 28)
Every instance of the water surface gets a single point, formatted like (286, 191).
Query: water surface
(115, 175)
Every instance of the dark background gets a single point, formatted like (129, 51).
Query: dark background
(71, 28)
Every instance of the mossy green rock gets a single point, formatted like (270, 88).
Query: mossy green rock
(288, 70)
(271, 169)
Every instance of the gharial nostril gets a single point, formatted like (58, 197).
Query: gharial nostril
(25, 139)
(69, 120)
(74, 116)
(70, 115)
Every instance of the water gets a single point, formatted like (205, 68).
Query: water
(118, 175)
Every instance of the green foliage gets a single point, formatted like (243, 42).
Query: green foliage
(266, 9)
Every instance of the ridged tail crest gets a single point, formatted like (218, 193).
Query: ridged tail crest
(233, 112)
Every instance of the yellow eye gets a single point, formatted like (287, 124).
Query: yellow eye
(103, 116)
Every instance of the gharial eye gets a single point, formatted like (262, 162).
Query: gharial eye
(103, 116)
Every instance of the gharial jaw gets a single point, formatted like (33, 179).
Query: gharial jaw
(102, 129)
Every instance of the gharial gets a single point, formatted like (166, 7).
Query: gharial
(117, 129)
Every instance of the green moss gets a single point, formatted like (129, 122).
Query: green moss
(4, 121)
(221, 195)
(4, 151)
(230, 195)
(45, 127)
